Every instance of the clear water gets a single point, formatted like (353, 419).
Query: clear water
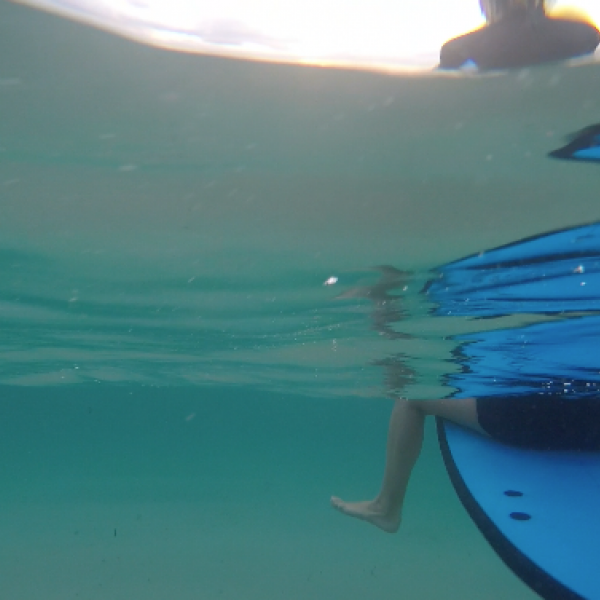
(181, 393)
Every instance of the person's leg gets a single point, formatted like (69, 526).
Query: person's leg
(405, 438)
(462, 411)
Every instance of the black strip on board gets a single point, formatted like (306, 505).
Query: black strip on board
(536, 578)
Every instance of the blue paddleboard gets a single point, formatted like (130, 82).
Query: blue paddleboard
(539, 510)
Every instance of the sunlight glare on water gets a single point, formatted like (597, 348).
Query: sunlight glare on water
(378, 34)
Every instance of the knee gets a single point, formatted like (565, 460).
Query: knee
(418, 406)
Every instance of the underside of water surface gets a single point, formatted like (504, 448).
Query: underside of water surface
(172, 218)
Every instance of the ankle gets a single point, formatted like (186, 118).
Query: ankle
(384, 506)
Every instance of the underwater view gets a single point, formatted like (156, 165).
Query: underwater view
(219, 278)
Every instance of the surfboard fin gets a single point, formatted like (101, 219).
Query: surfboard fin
(584, 145)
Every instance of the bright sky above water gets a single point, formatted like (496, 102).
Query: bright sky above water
(389, 33)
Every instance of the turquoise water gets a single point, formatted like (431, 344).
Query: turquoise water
(126, 492)
(181, 393)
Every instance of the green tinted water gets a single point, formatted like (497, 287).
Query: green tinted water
(129, 492)
(178, 373)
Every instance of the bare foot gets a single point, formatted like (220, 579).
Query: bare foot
(368, 511)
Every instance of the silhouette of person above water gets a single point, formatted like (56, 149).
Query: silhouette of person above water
(518, 33)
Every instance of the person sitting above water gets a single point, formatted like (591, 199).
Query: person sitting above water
(519, 34)
(543, 421)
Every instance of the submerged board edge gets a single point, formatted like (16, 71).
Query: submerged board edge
(529, 572)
